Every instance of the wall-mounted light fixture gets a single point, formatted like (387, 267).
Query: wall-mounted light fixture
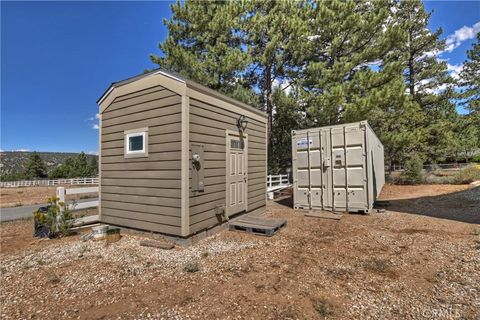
(242, 123)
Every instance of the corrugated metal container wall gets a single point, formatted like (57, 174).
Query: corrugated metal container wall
(337, 168)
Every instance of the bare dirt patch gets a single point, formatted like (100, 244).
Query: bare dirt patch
(13, 197)
(392, 265)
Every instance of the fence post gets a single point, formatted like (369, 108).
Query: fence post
(60, 197)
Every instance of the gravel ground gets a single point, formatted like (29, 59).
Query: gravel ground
(398, 264)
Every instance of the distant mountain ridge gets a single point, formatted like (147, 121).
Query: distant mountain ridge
(12, 161)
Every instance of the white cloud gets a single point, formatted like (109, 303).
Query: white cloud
(464, 33)
(95, 126)
(22, 150)
(454, 69)
(95, 117)
(95, 153)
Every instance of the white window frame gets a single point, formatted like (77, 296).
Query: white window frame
(143, 132)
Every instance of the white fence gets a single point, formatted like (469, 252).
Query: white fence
(277, 183)
(56, 182)
(62, 192)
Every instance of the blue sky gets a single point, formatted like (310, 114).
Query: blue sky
(57, 58)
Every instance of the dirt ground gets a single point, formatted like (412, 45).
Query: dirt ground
(15, 197)
(404, 263)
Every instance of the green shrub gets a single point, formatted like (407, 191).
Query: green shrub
(413, 170)
(476, 158)
(468, 174)
(58, 218)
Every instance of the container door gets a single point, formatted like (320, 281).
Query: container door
(236, 173)
(326, 166)
(356, 163)
(348, 168)
(301, 144)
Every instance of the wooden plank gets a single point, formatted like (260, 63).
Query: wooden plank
(159, 156)
(154, 201)
(83, 205)
(151, 183)
(143, 225)
(171, 107)
(143, 165)
(143, 191)
(209, 197)
(152, 148)
(81, 190)
(172, 118)
(138, 93)
(143, 104)
(138, 207)
(207, 120)
(230, 115)
(152, 130)
(86, 220)
(139, 99)
(152, 139)
(142, 174)
(204, 224)
(144, 216)
(257, 225)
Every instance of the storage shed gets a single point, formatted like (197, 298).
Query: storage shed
(177, 157)
(337, 168)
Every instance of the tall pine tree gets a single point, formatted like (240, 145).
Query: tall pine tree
(470, 80)
(202, 44)
(429, 84)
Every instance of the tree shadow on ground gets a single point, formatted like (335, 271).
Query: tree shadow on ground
(461, 206)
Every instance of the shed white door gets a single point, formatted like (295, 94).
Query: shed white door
(236, 173)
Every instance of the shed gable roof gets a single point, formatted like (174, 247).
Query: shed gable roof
(170, 80)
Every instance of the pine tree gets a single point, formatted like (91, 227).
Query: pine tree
(470, 81)
(202, 44)
(241, 49)
(270, 31)
(427, 79)
(342, 66)
(93, 167)
(34, 167)
(288, 117)
(351, 71)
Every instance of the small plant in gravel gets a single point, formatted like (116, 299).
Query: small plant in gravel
(192, 267)
(205, 254)
(18, 204)
(323, 307)
(53, 220)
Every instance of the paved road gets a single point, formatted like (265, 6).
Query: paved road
(16, 213)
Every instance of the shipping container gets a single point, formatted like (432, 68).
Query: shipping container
(178, 158)
(337, 168)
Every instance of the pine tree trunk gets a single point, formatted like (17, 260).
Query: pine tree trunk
(268, 103)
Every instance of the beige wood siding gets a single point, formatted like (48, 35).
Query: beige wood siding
(207, 126)
(143, 193)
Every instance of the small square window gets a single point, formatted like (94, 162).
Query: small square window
(136, 143)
